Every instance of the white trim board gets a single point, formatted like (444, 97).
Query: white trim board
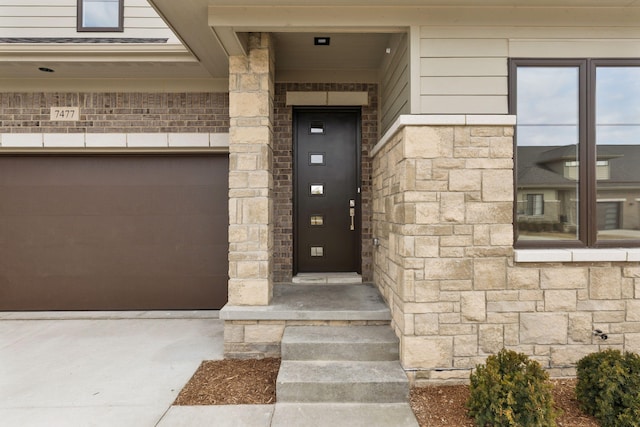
(577, 255)
(34, 141)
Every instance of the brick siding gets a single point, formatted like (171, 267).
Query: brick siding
(116, 112)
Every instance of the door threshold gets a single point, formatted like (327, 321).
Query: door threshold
(327, 278)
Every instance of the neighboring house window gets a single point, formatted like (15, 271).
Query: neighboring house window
(535, 204)
(578, 140)
(100, 15)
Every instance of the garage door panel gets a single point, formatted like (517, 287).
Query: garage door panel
(112, 293)
(110, 231)
(64, 239)
(89, 261)
(130, 170)
(112, 200)
(172, 240)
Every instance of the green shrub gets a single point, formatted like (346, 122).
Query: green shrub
(511, 390)
(609, 387)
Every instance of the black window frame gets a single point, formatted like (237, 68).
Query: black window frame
(587, 182)
(82, 28)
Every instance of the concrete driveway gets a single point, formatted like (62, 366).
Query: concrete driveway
(100, 369)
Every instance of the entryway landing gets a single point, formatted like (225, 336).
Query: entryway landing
(350, 302)
(327, 278)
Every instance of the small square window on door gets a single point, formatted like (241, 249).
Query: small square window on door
(316, 128)
(316, 189)
(317, 220)
(317, 251)
(316, 159)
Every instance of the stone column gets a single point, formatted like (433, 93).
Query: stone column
(251, 90)
(443, 213)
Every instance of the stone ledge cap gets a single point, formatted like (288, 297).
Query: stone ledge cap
(443, 120)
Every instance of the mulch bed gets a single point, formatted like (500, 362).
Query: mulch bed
(232, 382)
(440, 406)
(253, 382)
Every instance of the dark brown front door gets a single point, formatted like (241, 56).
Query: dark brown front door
(327, 193)
(130, 232)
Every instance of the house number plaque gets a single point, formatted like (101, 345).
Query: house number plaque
(65, 114)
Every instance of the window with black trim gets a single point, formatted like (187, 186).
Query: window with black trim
(101, 15)
(577, 150)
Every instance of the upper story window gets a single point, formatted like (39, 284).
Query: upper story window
(101, 15)
(578, 144)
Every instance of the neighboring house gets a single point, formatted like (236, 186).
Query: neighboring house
(474, 159)
(547, 181)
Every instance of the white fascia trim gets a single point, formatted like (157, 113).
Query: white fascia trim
(442, 120)
(577, 255)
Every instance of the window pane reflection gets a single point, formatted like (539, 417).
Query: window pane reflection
(547, 153)
(618, 152)
(100, 13)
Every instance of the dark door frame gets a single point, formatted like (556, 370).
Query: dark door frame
(358, 112)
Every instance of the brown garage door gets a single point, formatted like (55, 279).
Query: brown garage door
(113, 232)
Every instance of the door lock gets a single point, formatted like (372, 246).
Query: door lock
(352, 213)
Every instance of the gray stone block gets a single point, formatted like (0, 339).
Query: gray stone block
(341, 381)
(364, 343)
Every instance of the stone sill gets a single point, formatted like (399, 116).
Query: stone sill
(443, 120)
(577, 255)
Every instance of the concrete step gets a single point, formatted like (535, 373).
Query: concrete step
(366, 343)
(343, 414)
(328, 278)
(316, 302)
(342, 381)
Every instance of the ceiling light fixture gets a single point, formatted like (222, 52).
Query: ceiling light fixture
(46, 70)
(322, 41)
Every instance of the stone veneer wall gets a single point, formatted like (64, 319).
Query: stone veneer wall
(116, 112)
(251, 189)
(283, 172)
(443, 211)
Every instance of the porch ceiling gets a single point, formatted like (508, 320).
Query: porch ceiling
(214, 29)
(360, 32)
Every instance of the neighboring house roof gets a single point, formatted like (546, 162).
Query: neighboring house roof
(534, 165)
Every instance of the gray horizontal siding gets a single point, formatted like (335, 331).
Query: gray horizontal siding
(38, 18)
(464, 53)
(395, 83)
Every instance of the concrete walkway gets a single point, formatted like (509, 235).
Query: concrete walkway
(126, 368)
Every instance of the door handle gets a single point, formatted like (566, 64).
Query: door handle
(352, 214)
